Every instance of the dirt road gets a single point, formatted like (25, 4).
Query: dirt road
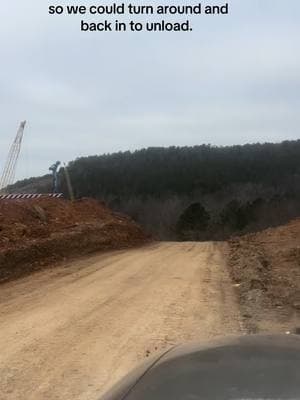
(70, 332)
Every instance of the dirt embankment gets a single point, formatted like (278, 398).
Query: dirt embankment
(35, 233)
(266, 269)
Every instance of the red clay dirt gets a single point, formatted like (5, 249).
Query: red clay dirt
(35, 233)
(266, 269)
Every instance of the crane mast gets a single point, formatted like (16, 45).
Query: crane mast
(9, 170)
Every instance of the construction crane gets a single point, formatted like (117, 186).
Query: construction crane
(9, 170)
(54, 169)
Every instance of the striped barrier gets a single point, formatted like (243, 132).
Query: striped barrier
(29, 196)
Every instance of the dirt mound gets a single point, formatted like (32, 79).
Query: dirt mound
(38, 232)
(266, 269)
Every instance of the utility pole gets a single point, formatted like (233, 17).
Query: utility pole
(9, 170)
(54, 170)
(69, 183)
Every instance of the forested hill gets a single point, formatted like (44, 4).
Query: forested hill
(184, 170)
(230, 189)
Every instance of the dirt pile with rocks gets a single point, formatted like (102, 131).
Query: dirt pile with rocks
(266, 270)
(38, 232)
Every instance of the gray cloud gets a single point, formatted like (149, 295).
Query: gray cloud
(234, 79)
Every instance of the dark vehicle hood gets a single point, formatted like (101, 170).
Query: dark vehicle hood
(248, 367)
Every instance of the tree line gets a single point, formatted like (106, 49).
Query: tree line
(188, 193)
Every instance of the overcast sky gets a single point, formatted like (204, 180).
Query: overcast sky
(234, 79)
